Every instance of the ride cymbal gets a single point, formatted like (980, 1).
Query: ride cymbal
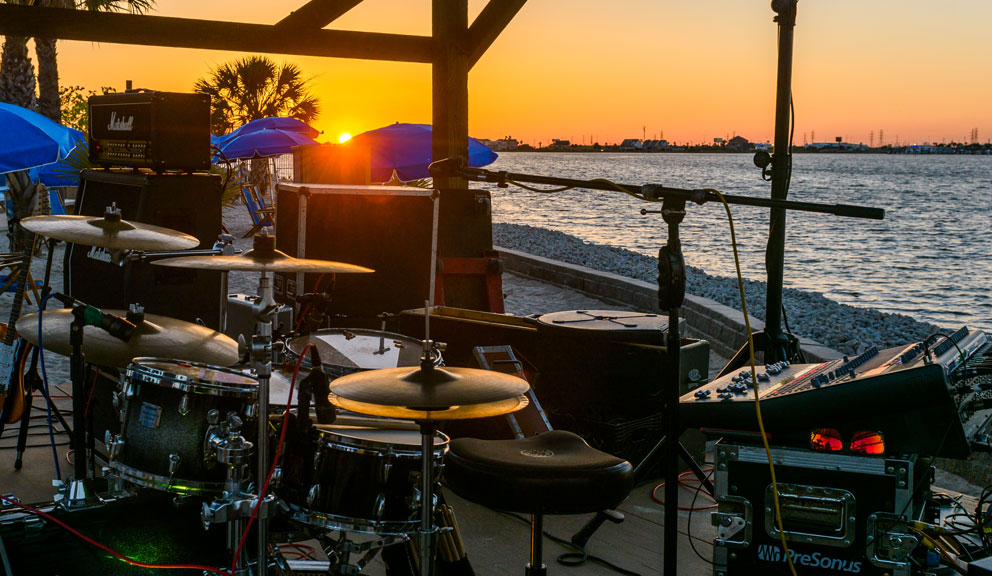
(156, 336)
(109, 231)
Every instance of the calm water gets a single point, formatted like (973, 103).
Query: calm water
(930, 258)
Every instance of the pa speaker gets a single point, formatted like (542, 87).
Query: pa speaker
(189, 203)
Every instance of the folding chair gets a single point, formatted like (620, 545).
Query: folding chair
(261, 215)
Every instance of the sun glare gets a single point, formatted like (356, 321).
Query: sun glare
(344, 137)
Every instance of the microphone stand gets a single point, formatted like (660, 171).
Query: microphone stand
(776, 344)
(671, 294)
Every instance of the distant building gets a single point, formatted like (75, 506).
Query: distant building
(834, 147)
(505, 145)
(739, 144)
(559, 143)
(656, 145)
(766, 146)
(631, 145)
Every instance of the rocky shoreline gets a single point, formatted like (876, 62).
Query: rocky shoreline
(845, 328)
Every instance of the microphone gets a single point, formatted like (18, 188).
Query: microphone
(447, 167)
(92, 316)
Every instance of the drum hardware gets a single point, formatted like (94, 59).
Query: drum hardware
(263, 258)
(315, 385)
(224, 246)
(429, 394)
(223, 443)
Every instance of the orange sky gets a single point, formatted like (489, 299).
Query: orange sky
(689, 70)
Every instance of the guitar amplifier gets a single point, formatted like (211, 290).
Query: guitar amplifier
(157, 130)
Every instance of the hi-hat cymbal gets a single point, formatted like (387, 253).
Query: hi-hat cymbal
(109, 231)
(466, 412)
(157, 336)
(430, 394)
(262, 258)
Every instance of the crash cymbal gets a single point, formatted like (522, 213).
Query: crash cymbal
(262, 258)
(429, 394)
(156, 336)
(109, 231)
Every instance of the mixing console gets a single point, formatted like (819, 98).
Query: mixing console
(902, 391)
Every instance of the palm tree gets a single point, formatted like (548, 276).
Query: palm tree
(48, 71)
(16, 71)
(255, 87)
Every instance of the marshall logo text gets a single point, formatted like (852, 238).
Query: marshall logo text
(120, 124)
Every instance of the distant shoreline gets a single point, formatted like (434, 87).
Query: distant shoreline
(966, 150)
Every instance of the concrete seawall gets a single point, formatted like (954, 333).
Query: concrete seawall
(722, 326)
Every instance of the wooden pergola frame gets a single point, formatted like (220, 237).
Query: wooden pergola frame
(452, 49)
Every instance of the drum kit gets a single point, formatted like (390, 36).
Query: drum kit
(196, 423)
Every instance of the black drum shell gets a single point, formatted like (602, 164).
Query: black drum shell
(154, 426)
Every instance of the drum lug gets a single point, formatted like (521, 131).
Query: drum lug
(313, 495)
(380, 506)
(174, 461)
(184, 405)
(384, 472)
(117, 400)
(251, 410)
(114, 445)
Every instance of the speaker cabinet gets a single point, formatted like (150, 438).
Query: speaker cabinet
(388, 229)
(188, 203)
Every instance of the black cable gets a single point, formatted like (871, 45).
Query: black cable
(688, 524)
(575, 558)
(926, 344)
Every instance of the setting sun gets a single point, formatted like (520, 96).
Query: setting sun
(344, 137)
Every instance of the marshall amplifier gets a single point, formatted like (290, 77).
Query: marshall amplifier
(157, 130)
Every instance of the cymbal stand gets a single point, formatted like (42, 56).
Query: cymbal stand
(77, 493)
(260, 353)
(228, 447)
(426, 540)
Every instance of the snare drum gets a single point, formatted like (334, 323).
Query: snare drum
(164, 406)
(346, 350)
(367, 480)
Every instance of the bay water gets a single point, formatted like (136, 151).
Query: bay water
(929, 258)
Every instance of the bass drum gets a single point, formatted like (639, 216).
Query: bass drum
(347, 350)
(164, 423)
(366, 479)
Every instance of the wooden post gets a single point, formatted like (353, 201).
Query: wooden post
(450, 84)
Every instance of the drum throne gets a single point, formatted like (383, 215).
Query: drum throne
(555, 472)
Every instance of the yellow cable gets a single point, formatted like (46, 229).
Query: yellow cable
(754, 378)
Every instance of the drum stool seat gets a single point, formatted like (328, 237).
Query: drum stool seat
(555, 472)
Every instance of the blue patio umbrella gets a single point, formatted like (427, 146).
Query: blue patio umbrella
(406, 148)
(65, 172)
(28, 139)
(268, 123)
(262, 143)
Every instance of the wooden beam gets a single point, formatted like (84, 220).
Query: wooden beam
(450, 84)
(144, 30)
(316, 14)
(488, 25)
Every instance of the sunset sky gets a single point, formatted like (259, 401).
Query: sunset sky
(588, 70)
